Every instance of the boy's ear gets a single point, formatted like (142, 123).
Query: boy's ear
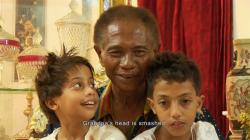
(52, 104)
(200, 102)
(151, 104)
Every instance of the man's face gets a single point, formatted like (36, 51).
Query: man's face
(125, 52)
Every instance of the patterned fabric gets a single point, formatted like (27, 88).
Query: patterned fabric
(200, 131)
(141, 123)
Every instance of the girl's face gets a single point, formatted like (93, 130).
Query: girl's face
(176, 105)
(79, 100)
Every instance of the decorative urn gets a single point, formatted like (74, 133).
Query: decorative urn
(31, 58)
(238, 87)
(9, 50)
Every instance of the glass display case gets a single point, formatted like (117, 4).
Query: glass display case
(15, 110)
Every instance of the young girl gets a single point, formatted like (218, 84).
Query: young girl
(174, 86)
(67, 95)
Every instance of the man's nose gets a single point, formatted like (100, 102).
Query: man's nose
(127, 62)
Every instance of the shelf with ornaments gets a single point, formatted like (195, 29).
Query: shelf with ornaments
(17, 74)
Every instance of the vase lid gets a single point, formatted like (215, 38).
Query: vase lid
(73, 17)
(7, 38)
(34, 51)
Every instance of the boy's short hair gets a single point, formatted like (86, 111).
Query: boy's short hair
(53, 75)
(173, 67)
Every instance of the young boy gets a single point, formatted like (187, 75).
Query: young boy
(67, 95)
(174, 86)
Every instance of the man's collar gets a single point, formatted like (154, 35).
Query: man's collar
(105, 103)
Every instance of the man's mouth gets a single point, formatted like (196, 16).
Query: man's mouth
(127, 76)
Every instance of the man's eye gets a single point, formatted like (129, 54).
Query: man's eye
(140, 53)
(115, 53)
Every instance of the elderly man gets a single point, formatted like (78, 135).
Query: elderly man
(126, 40)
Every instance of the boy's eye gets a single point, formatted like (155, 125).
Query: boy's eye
(92, 85)
(163, 103)
(185, 101)
(77, 85)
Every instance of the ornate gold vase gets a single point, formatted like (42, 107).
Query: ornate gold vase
(238, 87)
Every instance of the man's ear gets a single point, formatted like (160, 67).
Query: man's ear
(157, 49)
(200, 102)
(151, 104)
(97, 50)
(52, 104)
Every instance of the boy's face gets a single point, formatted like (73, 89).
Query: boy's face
(79, 99)
(176, 105)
